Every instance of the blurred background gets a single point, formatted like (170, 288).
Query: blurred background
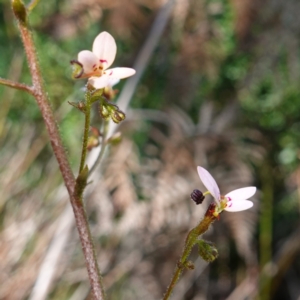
(217, 86)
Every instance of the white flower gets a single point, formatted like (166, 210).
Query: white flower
(95, 64)
(233, 201)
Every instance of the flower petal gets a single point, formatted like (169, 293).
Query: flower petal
(99, 82)
(120, 72)
(236, 205)
(88, 60)
(209, 183)
(113, 81)
(105, 48)
(242, 194)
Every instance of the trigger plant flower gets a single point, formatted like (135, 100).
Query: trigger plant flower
(233, 201)
(94, 64)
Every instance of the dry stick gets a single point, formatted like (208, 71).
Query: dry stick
(58, 149)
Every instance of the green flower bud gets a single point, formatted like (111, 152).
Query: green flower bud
(207, 250)
(19, 10)
(104, 111)
(118, 116)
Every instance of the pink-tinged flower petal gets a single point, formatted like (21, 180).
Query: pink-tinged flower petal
(99, 82)
(209, 183)
(120, 72)
(105, 48)
(88, 60)
(242, 194)
(233, 206)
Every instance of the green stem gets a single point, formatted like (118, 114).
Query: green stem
(265, 232)
(190, 242)
(86, 131)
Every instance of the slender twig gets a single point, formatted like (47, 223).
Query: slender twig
(16, 85)
(59, 151)
(190, 242)
(32, 4)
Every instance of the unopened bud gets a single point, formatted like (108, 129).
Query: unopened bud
(19, 10)
(104, 112)
(118, 116)
(197, 196)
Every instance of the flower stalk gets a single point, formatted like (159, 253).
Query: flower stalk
(87, 114)
(190, 242)
(232, 202)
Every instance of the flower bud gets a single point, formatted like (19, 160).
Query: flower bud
(104, 111)
(118, 116)
(207, 250)
(197, 196)
(19, 10)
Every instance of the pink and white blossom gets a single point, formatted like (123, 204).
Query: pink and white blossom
(95, 63)
(233, 201)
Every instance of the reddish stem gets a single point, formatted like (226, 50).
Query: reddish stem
(16, 85)
(80, 215)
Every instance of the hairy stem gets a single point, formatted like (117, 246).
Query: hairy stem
(16, 85)
(190, 242)
(81, 219)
